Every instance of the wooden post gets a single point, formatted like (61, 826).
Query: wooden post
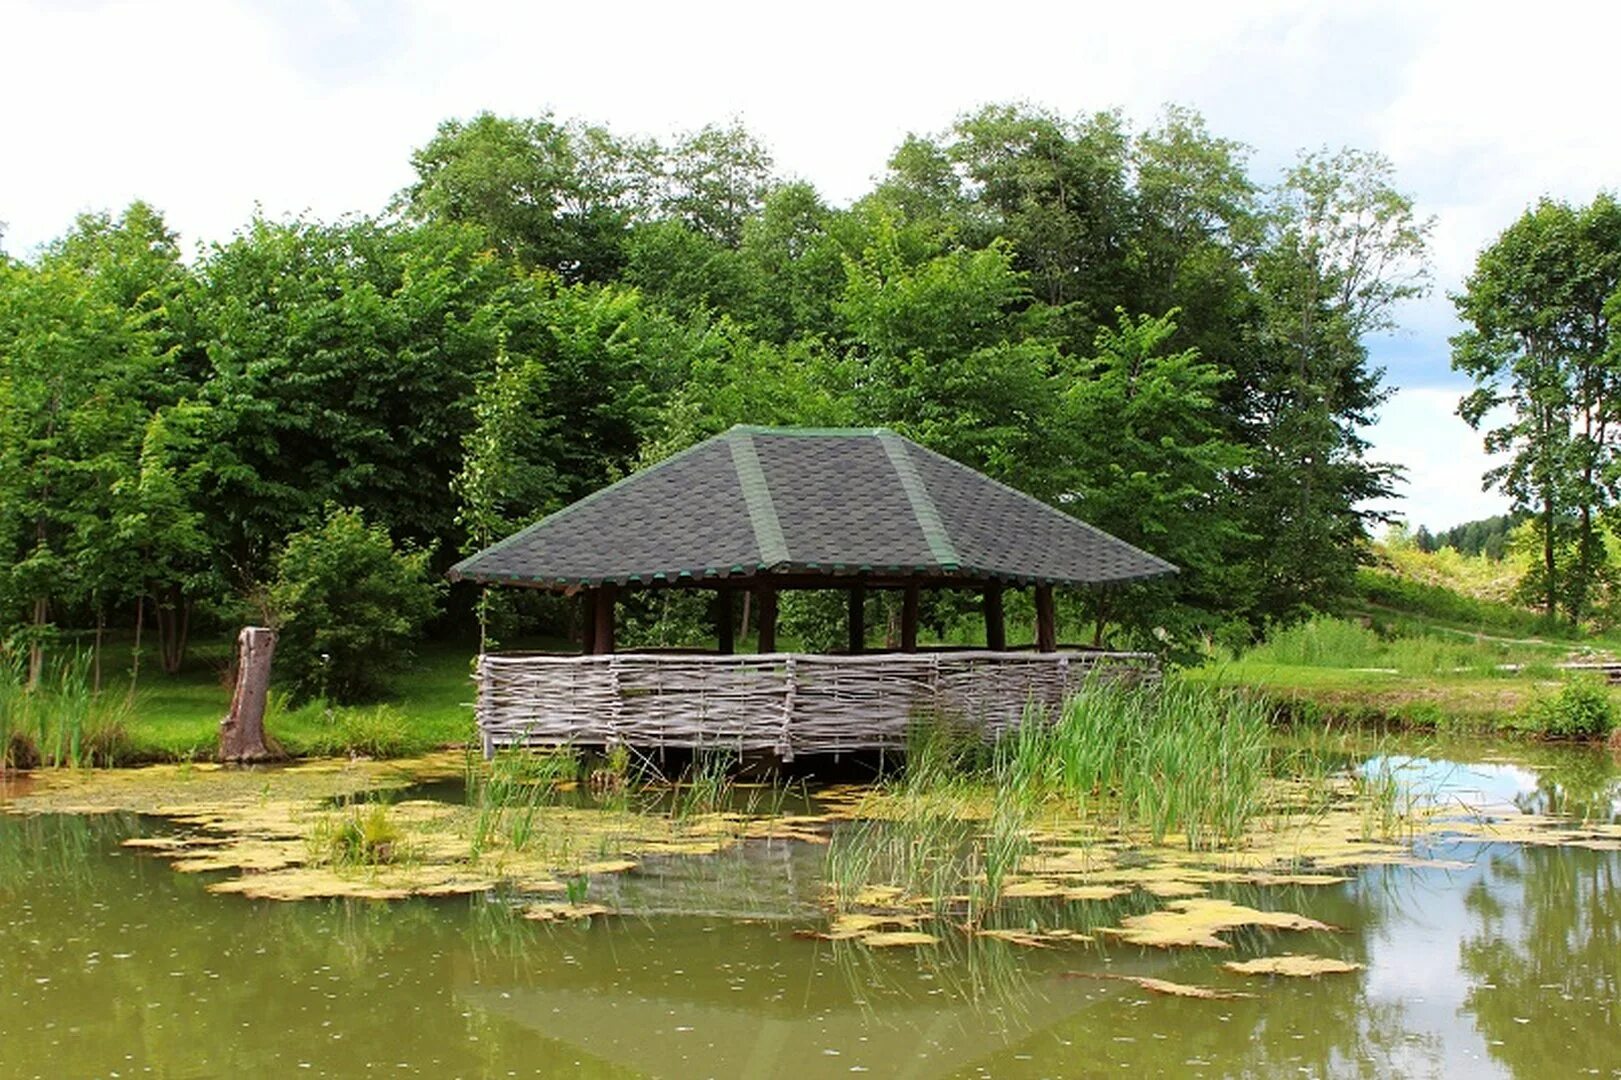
(588, 622)
(858, 620)
(242, 732)
(724, 629)
(604, 642)
(909, 619)
(768, 618)
(995, 625)
(1046, 625)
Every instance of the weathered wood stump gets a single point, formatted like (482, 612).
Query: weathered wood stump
(242, 732)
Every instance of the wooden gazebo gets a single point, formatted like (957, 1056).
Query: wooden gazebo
(768, 509)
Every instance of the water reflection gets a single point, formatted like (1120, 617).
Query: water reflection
(111, 962)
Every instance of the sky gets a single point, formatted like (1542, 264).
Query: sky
(213, 109)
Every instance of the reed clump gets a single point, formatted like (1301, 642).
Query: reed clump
(364, 834)
(62, 720)
(1182, 759)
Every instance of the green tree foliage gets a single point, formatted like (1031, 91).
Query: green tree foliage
(1341, 246)
(342, 360)
(1488, 536)
(943, 349)
(1157, 480)
(75, 366)
(1127, 323)
(557, 196)
(1540, 347)
(348, 605)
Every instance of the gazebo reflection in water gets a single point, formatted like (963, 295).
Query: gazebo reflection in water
(759, 510)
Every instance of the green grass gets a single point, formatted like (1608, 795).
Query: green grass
(176, 717)
(1382, 589)
(62, 721)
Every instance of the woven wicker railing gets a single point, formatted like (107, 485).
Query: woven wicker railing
(786, 703)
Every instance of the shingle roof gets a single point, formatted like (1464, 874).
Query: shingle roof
(844, 501)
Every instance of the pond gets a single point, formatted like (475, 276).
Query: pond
(1492, 957)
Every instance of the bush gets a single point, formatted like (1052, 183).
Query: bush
(1581, 710)
(348, 605)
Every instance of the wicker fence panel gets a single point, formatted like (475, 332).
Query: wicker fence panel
(786, 703)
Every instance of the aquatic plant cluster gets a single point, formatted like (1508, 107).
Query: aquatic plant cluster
(1168, 819)
(63, 721)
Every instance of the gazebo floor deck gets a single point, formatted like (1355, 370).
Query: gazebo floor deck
(783, 703)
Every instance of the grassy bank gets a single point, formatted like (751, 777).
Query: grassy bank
(176, 717)
(1408, 670)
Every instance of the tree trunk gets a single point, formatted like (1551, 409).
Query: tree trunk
(1552, 581)
(36, 647)
(135, 651)
(95, 653)
(242, 732)
(174, 626)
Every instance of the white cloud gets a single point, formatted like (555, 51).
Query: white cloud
(1420, 429)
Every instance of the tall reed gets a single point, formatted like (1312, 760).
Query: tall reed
(1183, 758)
(62, 721)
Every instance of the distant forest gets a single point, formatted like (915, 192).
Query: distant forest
(1132, 324)
(1488, 536)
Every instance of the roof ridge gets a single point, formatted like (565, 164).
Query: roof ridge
(811, 431)
(757, 497)
(917, 494)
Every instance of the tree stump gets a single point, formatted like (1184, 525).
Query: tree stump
(242, 732)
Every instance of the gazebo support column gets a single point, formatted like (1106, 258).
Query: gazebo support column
(1046, 624)
(995, 625)
(858, 620)
(588, 622)
(725, 629)
(767, 600)
(605, 619)
(909, 619)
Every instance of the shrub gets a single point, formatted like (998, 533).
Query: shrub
(348, 605)
(1581, 710)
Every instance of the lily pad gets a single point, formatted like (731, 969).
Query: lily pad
(1295, 966)
(1195, 923)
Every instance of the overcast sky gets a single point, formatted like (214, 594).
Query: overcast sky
(209, 109)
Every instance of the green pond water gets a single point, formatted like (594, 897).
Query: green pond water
(112, 964)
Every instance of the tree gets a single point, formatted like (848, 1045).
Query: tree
(1341, 246)
(163, 528)
(341, 365)
(348, 605)
(69, 362)
(132, 265)
(715, 180)
(558, 196)
(1146, 459)
(938, 347)
(1539, 343)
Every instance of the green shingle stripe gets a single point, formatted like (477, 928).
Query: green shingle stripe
(923, 508)
(757, 496)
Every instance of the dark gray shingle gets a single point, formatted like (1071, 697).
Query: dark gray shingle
(813, 500)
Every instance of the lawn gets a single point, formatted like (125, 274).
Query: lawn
(176, 717)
